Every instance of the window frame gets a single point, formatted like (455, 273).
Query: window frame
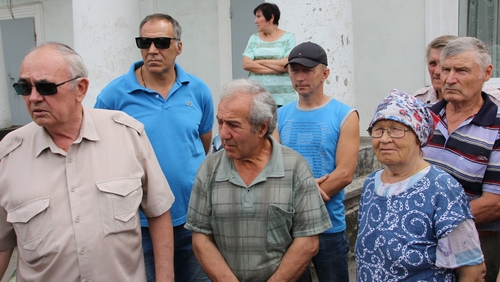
(440, 20)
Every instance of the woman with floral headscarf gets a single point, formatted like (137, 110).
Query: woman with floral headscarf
(415, 222)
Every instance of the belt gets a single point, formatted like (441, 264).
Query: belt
(488, 233)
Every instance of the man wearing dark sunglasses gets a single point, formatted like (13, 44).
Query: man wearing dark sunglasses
(176, 109)
(72, 182)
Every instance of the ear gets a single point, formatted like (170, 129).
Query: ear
(326, 73)
(263, 129)
(179, 48)
(81, 88)
(488, 72)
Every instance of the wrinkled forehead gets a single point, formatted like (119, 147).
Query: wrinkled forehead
(43, 64)
(234, 106)
(462, 58)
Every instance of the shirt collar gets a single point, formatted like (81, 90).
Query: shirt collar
(87, 131)
(485, 116)
(134, 85)
(275, 167)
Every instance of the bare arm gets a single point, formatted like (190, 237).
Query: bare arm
(486, 208)
(210, 258)
(162, 236)
(206, 139)
(4, 261)
(346, 157)
(471, 273)
(255, 67)
(296, 259)
(277, 64)
(320, 180)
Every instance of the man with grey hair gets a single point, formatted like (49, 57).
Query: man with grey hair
(176, 109)
(72, 182)
(255, 210)
(430, 95)
(466, 140)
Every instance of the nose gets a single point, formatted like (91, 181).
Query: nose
(437, 70)
(152, 48)
(299, 76)
(34, 95)
(255, 21)
(224, 132)
(450, 78)
(385, 138)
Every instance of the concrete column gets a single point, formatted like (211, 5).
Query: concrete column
(329, 24)
(104, 33)
(5, 117)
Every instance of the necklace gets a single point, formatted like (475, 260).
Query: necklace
(142, 77)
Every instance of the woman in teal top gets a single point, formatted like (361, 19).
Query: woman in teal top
(267, 52)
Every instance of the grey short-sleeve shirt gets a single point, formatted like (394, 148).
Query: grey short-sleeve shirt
(254, 226)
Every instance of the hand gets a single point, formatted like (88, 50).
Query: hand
(320, 180)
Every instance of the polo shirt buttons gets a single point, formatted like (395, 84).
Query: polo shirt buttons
(77, 219)
(82, 251)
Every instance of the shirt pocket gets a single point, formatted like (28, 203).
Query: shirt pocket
(33, 225)
(279, 226)
(119, 202)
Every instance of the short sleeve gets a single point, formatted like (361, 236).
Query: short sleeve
(199, 211)
(460, 248)
(249, 50)
(311, 216)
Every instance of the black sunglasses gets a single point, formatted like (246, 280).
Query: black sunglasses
(160, 42)
(44, 88)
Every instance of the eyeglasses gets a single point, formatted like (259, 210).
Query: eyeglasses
(160, 42)
(44, 88)
(394, 132)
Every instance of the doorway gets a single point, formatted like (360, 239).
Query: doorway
(18, 37)
(242, 27)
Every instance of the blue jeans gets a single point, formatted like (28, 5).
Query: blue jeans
(186, 266)
(331, 261)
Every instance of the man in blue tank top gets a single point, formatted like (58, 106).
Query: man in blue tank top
(326, 132)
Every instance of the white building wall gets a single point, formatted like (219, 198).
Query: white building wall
(329, 24)
(5, 117)
(200, 38)
(389, 51)
(105, 40)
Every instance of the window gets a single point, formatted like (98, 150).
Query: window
(480, 18)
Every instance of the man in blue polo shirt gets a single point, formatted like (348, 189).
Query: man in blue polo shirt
(176, 109)
(466, 140)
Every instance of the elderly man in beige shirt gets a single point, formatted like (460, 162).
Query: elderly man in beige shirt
(72, 183)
